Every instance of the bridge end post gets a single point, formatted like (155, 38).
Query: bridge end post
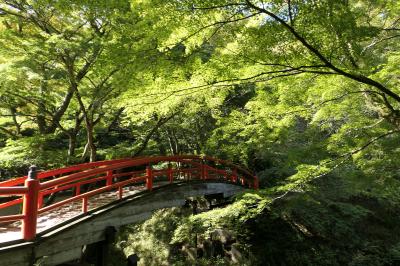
(30, 205)
(149, 178)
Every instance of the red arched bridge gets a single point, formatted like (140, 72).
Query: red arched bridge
(103, 187)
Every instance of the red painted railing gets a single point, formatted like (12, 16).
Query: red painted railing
(86, 180)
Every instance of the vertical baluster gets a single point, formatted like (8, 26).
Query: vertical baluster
(149, 178)
(40, 200)
(109, 180)
(84, 204)
(256, 183)
(120, 192)
(170, 173)
(77, 190)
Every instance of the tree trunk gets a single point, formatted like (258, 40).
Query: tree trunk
(160, 144)
(90, 141)
(85, 152)
(41, 116)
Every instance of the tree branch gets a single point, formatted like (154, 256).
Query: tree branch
(218, 7)
(357, 77)
(216, 24)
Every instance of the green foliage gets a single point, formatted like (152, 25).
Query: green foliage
(18, 155)
(302, 229)
(232, 217)
(152, 238)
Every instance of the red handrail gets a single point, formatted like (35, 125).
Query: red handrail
(53, 173)
(113, 174)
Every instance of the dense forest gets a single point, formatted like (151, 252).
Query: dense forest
(305, 93)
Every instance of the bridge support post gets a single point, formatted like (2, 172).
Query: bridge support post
(234, 177)
(109, 178)
(170, 174)
(30, 205)
(149, 178)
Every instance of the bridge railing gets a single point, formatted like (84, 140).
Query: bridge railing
(84, 181)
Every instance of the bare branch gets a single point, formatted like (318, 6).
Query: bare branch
(11, 10)
(9, 132)
(218, 7)
(344, 158)
(235, 81)
(290, 12)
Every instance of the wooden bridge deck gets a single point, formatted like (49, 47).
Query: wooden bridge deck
(47, 220)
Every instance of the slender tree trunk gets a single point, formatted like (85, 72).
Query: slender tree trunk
(13, 111)
(173, 142)
(71, 145)
(85, 152)
(177, 146)
(90, 148)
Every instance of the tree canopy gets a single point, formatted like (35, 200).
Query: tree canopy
(305, 93)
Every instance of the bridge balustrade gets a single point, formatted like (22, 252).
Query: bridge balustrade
(84, 181)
